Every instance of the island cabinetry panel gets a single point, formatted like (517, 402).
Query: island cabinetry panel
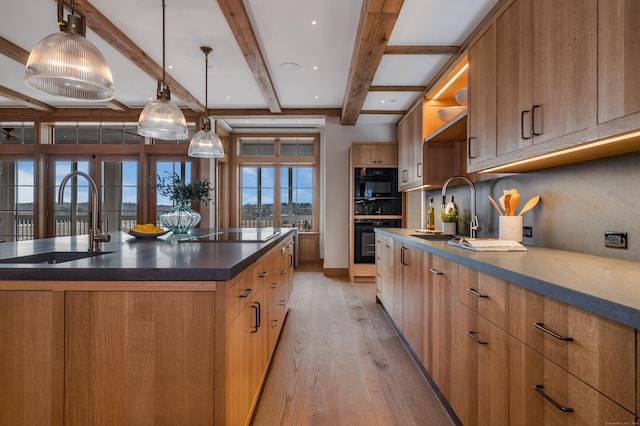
(384, 269)
(144, 358)
(30, 392)
(542, 393)
(484, 294)
(594, 349)
(407, 294)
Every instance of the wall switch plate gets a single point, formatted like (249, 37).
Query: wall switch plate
(527, 231)
(615, 239)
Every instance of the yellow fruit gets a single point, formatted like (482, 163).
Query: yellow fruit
(148, 228)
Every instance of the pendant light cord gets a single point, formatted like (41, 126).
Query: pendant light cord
(163, 42)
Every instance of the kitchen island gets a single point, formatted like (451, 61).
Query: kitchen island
(150, 332)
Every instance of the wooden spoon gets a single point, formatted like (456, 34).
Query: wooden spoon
(529, 205)
(507, 204)
(495, 205)
(514, 201)
(501, 199)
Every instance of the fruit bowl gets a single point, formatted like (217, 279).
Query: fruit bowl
(143, 234)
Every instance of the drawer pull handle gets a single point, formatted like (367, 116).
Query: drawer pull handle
(284, 271)
(275, 285)
(263, 274)
(475, 292)
(246, 293)
(540, 326)
(539, 388)
(472, 334)
(435, 271)
(274, 323)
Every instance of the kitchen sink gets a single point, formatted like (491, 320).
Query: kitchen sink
(434, 237)
(52, 257)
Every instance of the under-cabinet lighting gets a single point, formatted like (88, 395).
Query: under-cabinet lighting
(566, 151)
(450, 82)
(417, 189)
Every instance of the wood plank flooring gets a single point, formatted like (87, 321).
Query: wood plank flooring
(340, 362)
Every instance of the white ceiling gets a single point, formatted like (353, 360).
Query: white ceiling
(286, 35)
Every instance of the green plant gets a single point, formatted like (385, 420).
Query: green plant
(449, 217)
(180, 192)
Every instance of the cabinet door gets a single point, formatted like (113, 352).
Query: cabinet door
(405, 153)
(26, 355)
(482, 100)
(480, 379)
(411, 264)
(618, 60)
(247, 351)
(514, 58)
(387, 154)
(384, 270)
(417, 144)
(444, 278)
(564, 67)
(541, 393)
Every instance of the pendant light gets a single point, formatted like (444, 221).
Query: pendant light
(206, 143)
(67, 64)
(162, 119)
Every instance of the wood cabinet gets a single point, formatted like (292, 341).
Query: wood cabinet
(384, 269)
(481, 114)
(618, 66)
(541, 393)
(409, 136)
(374, 154)
(407, 293)
(577, 341)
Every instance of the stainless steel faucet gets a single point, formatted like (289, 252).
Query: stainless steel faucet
(95, 236)
(474, 226)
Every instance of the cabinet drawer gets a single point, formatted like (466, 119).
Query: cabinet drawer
(484, 294)
(599, 351)
(531, 375)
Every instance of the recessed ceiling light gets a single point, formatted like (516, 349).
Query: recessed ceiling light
(289, 66)
(314, 22)
(170, 67)
(382, 101)
(228, 97)
(316, 97)
(315, 67)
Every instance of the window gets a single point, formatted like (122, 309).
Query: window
(166, 169)
(16, 200)
(278, 182)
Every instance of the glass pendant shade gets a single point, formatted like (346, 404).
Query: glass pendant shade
(205, 143)
(162, 119)
(67, 64)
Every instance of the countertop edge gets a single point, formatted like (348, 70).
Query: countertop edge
(599, 304)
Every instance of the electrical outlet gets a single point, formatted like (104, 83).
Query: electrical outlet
(527, 231)
(615, 239)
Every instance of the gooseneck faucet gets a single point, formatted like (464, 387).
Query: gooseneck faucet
(95, 237)
(474, 226)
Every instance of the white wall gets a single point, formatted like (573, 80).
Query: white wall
(335, 201)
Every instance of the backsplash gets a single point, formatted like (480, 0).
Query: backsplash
(578, 204)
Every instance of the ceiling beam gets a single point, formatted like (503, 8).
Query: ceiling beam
(377, 19)
(110, 33)
(21, 56)
(240, 24)
(421, 50)
(25, 100)
(397, 88)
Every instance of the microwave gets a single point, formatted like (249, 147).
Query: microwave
(376, 182)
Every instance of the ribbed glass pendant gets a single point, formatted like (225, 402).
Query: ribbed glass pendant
(67, 64)
(162, 119)
(206, 143)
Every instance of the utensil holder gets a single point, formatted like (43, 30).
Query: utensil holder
(510, 228)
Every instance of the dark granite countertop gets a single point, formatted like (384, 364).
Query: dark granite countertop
(604, 286)
(127, 258)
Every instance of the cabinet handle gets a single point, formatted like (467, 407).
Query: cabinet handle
(475, 292)
(540, 326)
(419, 170)
(257, 316)
(283, 302)
(274, 323)
(290, 261)
(470, 152)
(284, 271)
(539, 388)
(404, 174)
(275, 285)
(246, 293)
(402, 260)
(522, 113)
(472, 334)
(435, 271)
(263, 274)
(533, 120)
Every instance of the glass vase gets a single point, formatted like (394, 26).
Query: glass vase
(180, 219)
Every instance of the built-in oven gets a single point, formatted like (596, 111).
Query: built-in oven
(364, 238)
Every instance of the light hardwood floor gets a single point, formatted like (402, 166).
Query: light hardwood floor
(340, 362)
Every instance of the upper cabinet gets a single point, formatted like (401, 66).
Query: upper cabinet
(559, 74)
(374, 154)
(432, 149)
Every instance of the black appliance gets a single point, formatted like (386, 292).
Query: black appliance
(364, 239)
(375, 191)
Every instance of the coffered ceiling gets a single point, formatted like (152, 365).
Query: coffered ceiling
(274, 62)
